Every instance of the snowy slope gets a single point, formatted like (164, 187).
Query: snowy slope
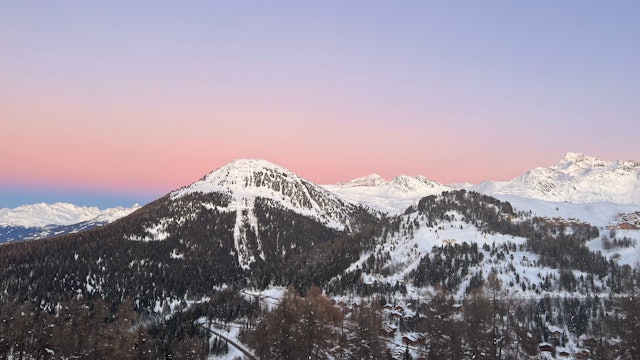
(599, 214)
(392, 197)
(575, 178)
(399, 252)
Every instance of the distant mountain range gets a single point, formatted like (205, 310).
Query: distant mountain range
(575, 179)
(45, 220)
(390, 197)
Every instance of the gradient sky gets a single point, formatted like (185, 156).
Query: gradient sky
(116, 102)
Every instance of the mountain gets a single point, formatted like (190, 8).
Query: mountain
(576, 178)
(391, 197)
(211, 262)
(44, 220)
(270, 206)
(369, 180)
(235, 225)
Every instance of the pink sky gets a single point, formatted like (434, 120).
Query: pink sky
(124, 99)
(164, 146)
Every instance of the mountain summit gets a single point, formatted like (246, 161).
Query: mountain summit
(369, 180)
(392, 197)
(240, 175)
(575, 178)
(245, 180)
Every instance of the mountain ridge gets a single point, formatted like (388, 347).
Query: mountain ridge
(41, 220)
(60, 213)
(576, 178)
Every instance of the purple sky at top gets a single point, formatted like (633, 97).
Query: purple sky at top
(106, 103)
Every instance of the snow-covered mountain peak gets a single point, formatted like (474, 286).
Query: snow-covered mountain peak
(575, 178)
(369, 180)
(576, 157)
(246, 180)
(416, 184)
(576, 163)
(392, 197)
(239, 175)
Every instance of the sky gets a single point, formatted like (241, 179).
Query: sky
(119, 102)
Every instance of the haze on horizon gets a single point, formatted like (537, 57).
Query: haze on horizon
(115, 103)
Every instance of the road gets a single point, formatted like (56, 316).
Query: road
(242, 349)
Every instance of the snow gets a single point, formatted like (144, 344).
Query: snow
(41, 214)
(270, 296)
(175, 255)
(626, 255)
(406, 251)
(576, 178)
(369, 180)
(407, 246)
(597, 214)
(391, 197)
(156, 232)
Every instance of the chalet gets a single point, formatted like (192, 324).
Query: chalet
(545, 347)
(630, 221)
(627, 226)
